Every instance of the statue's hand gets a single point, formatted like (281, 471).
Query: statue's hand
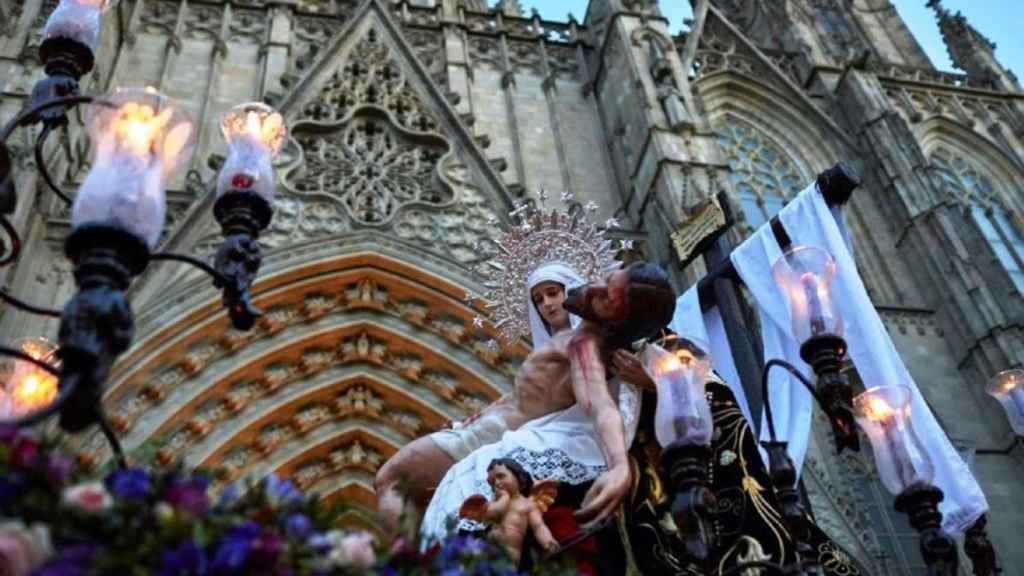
(549, 545)
(604, 496)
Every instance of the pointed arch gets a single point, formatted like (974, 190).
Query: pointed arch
(811, 146)
(946, 141)
(975, 173)
(772, 149)
(364, 342)
(377, 152)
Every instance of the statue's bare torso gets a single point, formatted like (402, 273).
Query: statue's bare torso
(542, 386)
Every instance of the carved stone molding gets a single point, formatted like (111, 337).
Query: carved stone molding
(207, 376)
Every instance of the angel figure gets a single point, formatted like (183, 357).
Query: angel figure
(518, 504)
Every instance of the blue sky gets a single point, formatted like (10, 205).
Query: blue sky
(999, 20)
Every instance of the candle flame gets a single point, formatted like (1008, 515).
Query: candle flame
(261, 123)
(669, 363)
(139, 126)
(878, 409)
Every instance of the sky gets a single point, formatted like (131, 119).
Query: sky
(999, 20)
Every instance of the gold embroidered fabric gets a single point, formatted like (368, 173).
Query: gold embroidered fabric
(748, 523)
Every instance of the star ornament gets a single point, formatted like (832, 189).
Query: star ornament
(566, 236)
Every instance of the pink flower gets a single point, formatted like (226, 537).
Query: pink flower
(90, 498)
(22, 548)
(358, 549)
(354, 549)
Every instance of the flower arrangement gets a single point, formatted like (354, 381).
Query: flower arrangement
(56, 520)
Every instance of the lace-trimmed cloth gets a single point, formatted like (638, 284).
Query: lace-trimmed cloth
(562, 446)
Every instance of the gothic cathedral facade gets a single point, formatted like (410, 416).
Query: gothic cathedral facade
(417, 125)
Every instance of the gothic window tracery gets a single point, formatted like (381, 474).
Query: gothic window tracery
(974, 188)
(373, 169)
(762, 174)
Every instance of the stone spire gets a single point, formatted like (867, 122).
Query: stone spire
(969, 49)
(510, 7)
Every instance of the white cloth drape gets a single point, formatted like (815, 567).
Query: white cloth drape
(809, 221)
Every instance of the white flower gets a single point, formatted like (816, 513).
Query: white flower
(478, 322)
(23, 548)
(591, 206)
(90, 498)
(627, 244)
(611, 223)
(567, 196)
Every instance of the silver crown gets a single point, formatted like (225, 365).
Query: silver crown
(539, 237)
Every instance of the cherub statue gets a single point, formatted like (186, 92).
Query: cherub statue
(518, 504)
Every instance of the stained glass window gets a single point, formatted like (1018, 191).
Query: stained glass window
(996, 225)
(762, 174)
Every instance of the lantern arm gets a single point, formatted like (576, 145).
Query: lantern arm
(218, 278)
(115, 444)
(26, 307)
(31, 115)
(36, 113)
(767, 399)
(12, 247)
(41, 164)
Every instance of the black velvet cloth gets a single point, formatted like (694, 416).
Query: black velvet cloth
(747, 521)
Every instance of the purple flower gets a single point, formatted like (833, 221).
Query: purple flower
(185, 560)
(280, 491)
(297, 526)
(233, 552)
(188, 495)
(456, 571)
(474, 547)
(73, 561)
(59, 468)
(130, 483)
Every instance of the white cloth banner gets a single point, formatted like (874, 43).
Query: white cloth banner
(809, 221)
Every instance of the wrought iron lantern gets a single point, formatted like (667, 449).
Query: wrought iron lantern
(1008, 388)
(805, 275)
(138, 137)
(683, 426)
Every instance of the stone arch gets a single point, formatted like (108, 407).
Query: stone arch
(940, 136)
(810, 145)
(789, 151)
(364, 345)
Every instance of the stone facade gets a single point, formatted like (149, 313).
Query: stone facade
(418, 123)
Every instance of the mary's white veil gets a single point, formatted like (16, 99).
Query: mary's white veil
(551, 272)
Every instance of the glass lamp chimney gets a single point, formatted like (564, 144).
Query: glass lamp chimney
(77, 20)
(138, 138)
(682, 414)
(883, 413)
(1008, 388)
(805, 275)
(255, 133)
